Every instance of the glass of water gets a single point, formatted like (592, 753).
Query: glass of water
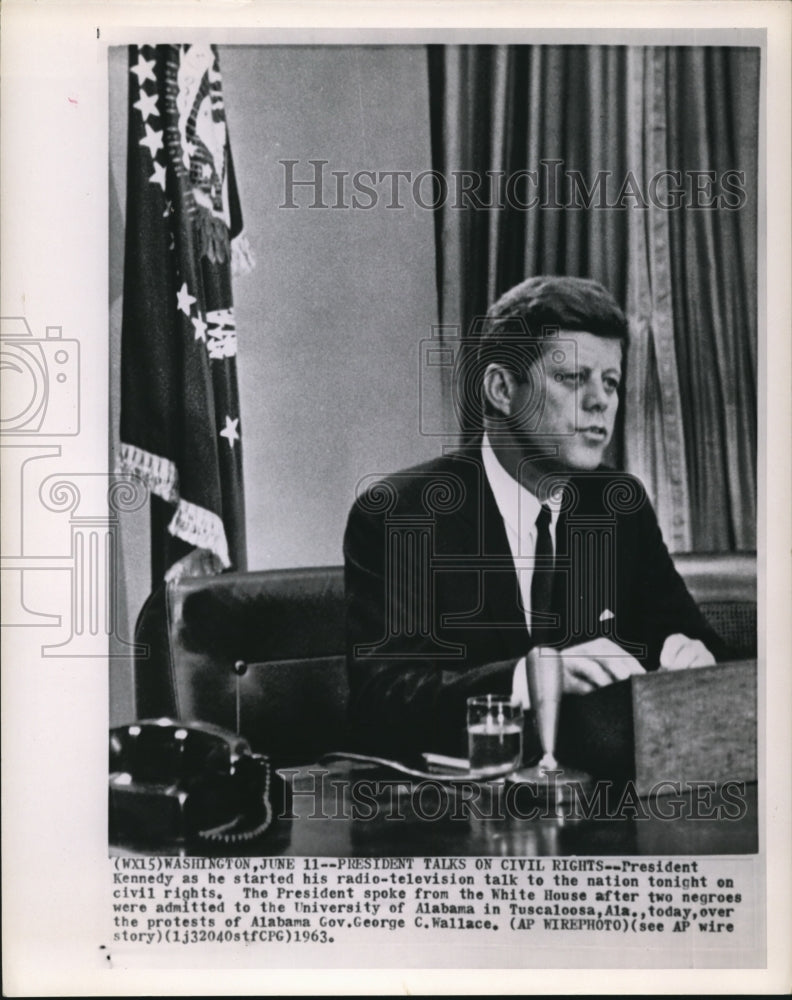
(495, 735)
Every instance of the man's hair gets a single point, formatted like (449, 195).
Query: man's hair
(546, 304)
(523, 317)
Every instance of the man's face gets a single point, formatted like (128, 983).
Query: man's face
(580, 375)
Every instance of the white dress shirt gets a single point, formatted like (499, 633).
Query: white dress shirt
(519, 509)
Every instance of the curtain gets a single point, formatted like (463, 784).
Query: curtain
(654, 441)
(715, 298)
(586, 131)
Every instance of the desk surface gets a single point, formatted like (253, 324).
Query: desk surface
(421, 818)
(352, 810)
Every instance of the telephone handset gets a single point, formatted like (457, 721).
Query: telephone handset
(177, 783)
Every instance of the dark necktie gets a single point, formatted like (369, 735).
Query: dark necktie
(542, 581)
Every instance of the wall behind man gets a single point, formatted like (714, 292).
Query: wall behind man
(331, 319)
(334, 313)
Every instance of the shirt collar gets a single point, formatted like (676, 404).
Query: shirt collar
(517, 505)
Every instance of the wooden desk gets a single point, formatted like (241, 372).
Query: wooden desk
(349, 810)
(697, 724)
(692, 726)
(324, 824)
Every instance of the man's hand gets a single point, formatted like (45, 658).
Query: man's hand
(596, 663)
(679, 653)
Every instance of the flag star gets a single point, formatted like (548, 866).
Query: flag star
(146, 105)
(200, 328)
(230, 430)
(158, 177)
(144, 70)
(153, 140)
(184, 300)
(168, 208)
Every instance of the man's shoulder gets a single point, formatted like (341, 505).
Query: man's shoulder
(440, 483)
(462, 461)
(613, 490)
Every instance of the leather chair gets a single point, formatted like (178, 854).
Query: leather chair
(275, 639)
(724, 587)
(270, 642)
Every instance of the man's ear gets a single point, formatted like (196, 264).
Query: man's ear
(499, 387)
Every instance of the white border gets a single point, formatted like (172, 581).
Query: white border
(54, 137)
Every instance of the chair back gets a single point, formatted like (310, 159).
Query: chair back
(269, 645)
(724, 587)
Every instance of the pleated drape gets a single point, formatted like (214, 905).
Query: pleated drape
(654, 440)
(686, 277)
(715, 303)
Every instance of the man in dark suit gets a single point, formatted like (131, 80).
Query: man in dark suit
(457, 568)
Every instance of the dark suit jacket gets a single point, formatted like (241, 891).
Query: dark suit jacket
(433, 601)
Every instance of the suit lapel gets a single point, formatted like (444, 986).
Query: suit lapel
(499, 593)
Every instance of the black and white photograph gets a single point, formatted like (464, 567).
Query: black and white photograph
(412, 526)
(459, 479)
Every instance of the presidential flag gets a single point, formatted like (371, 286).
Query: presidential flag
(180, 422)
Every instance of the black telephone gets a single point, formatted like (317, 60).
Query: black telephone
(196, 784)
